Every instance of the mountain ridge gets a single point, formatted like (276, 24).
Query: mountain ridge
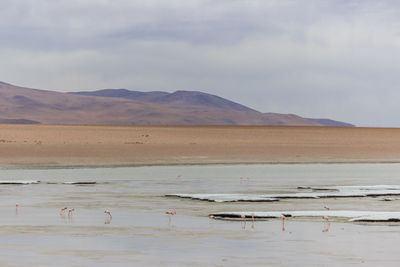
(179, 99)
(125, 107)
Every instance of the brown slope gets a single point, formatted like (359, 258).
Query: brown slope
(60, 108)
(25, 104)
(184, 100)
(203, 102)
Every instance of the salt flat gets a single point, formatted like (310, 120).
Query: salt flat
(72, 145)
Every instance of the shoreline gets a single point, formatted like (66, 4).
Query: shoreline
(44, 167)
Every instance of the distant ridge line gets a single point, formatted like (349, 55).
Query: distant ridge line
(181, 97)
(124, 107)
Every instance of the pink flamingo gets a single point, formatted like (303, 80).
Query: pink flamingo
(211, 216)
(252, 220)
(63, 210)
(244, 221)
(326, 218)
(283, 223)
(109, 213)
(327, 208)
(70, 212)
(170, 213)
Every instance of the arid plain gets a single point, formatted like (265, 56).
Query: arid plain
(65, 145)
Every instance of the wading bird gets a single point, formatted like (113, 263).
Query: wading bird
(70, 212)
(252, 220)
(108, 212)
(62, 211)
(244, 221)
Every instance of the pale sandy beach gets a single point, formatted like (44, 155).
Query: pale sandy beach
(56, 145)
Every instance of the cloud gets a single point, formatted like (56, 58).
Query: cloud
(334, 59)
(73, 24)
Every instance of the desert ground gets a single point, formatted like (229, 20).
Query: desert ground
(66, 145)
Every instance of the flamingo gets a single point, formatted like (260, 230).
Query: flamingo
(244, 221)
(109, 213)
(63, 210)
(170, 213)
(70, 212)
(283, 223)
(327, 208)
(252, 219)
(326, 218)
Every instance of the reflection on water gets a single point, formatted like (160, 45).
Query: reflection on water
(68, 224)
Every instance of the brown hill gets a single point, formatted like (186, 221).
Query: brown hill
(187, 100)
(25, 105)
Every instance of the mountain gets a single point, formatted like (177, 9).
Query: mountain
(124, 107)
(187, 100)
(124, 93)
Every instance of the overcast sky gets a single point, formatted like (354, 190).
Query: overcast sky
(337, 59)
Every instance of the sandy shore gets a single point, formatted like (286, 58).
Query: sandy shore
(54, 145)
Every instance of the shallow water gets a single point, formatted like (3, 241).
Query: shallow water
(141, 234)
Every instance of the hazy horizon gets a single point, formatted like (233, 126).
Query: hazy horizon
(320, 59)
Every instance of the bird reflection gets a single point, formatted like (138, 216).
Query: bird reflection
(327, 224)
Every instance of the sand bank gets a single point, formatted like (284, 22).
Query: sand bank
(56, 145)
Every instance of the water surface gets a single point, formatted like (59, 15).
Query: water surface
(140, 233)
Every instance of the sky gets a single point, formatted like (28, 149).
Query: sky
(337, 59)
